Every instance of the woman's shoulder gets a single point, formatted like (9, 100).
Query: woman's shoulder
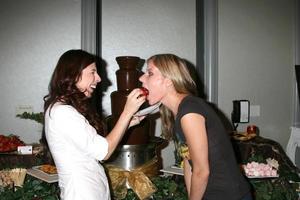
(192, 100)
(192, 104)
(60, 109)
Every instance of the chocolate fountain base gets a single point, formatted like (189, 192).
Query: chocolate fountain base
(129, 157)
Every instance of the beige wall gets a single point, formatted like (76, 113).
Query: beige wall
(256, 61)
(33, 35)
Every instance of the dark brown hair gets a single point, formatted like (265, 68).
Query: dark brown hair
(62, 87)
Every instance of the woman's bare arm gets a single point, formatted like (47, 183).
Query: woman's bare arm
(193, 126)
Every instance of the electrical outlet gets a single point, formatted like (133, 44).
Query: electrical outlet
(254, 111)
(20, 109)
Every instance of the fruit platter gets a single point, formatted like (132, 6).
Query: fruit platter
(10, 143)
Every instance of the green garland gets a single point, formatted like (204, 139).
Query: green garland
(35, 189)
(38, 117)
(274, 189)
(168, 188)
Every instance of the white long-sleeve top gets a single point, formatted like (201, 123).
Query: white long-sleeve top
(76, 149)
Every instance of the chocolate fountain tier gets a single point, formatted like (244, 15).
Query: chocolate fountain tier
(127, 79)
(127, 75)
(118, 100)
(128, 62)
(135, 135)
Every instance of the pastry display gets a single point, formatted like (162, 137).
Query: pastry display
(49, 169)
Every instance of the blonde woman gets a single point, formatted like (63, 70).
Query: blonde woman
(210, 168)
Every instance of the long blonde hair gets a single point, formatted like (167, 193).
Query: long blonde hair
(175, 69)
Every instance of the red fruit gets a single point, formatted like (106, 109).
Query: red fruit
(145, 91)
(2, 137)
(10, 143)
(251, 129)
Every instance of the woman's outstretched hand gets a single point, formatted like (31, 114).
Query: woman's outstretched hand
(135, 120)
(134, 100)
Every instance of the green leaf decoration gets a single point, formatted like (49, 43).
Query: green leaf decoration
(38, 117)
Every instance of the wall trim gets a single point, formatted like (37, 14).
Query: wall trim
(211, 50)
(296, 117)
(89, 26)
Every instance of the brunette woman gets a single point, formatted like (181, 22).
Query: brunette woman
(73, 129)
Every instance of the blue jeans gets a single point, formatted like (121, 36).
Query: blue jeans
(247, 197)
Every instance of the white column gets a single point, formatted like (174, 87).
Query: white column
(211, 49)
(88, 25)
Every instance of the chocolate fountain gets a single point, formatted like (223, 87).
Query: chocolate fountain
(136, 147)
(127, 80)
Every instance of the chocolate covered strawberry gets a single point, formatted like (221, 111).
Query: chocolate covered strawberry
(145, 92)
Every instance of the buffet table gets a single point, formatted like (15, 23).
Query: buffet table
(258, 149)
(172, 187)
(36, 187)
(13, 159)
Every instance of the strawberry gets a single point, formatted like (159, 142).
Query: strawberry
(10, 143)
(144, 91)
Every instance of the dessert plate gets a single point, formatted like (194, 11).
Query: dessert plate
(262, 177)
(50, 170)
(42, 175)
(149, 110)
